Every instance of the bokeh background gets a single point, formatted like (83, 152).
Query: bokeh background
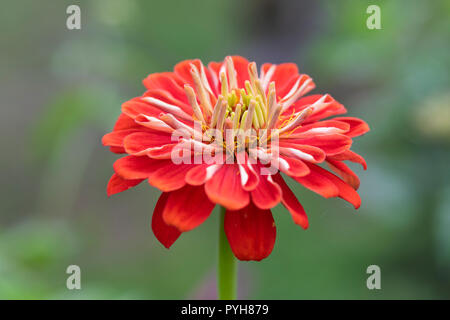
(61, 90)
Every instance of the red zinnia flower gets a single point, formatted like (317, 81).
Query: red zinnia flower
(231, 95)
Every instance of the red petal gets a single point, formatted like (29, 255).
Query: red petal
(166, 234)
(187, 208)
(318, 183)
(265, 67)
(241, 67)
(296, 167)
(249, 170)
(183, 70)
(138, 143)
(357, 126)
(214, 68)
(164, 152)
(169, 176)
(267, 194)
(225, 188)
(118, 150)
(169, 82)
(154, 124)
(290, 201)
(307, 153)
(251, 232)
(125, 122)
(350, 156)
(345, 172)
(312, 129)
(136, 107)
(285, 76)
(116, 184)
(132, 167)
(199, 174)
(167, 97)
(346, 192)
(115, 138)
(331, 144)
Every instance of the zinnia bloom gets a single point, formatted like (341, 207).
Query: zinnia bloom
(192, 100)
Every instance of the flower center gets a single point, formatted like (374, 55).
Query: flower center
(252, 110)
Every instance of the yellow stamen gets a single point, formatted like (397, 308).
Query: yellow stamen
(255, 120)
(216, 111)
(250, 114)
(259, 113)
(244, 120)
(237, 115)
(193, 102)
(260, 90)
(272, 101)
(203, 95)
(272, 86)
(274, 119)
(272, 122)
(261, 103)
(252, 72)
(231, 72)
(249, 88)
(224, 83)
(221, 115)
(232, 98)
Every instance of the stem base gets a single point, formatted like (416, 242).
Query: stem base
(227, 265)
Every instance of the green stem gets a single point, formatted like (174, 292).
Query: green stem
(227, 266)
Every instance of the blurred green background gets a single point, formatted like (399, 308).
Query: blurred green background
(61, 90)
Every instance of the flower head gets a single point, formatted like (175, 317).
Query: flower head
(221, 135)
